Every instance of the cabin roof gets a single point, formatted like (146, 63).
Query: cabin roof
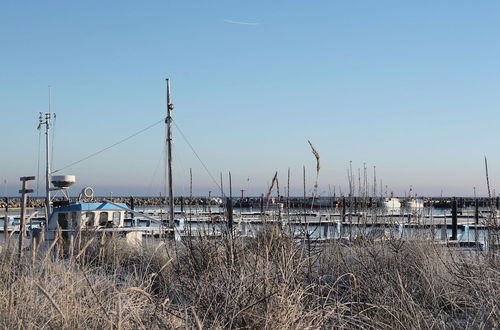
(80, 206)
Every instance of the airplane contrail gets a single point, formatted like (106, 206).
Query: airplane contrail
(239, 22)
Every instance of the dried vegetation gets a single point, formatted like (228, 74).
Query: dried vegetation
(271, 281)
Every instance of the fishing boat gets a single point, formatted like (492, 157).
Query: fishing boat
(390, 204)
(77, 216)
(84, 215)
(413, 203)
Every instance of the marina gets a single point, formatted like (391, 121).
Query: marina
(456, 222)
(327, 165)
(319, 224)
(272, 240)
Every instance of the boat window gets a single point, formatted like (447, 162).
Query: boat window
(73, 220)
(116, 218)
(103, 219)
(62, 220)
(90, 219)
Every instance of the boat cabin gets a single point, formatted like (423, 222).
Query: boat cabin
(80, 216)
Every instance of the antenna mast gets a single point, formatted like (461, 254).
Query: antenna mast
(45, 119)
(168, 121)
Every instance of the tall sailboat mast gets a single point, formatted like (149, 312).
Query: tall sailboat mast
(168, 121)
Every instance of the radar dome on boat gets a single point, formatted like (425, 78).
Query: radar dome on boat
(63, 181)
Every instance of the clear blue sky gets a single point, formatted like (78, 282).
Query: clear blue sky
(411, 87)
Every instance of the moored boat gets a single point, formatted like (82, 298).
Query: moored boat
(413, 203)
(390, 203)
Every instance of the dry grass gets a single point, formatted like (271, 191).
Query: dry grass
(271, 281)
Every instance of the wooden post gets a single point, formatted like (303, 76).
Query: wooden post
(241, 203)
(6, 222)
(209, 204)
(24, 194)
(343, 208)
(304, 200)
(229, 208)
(221, 188)
(262, 204)
(6, 229)
(230, 186)
(476, 215)
(132, 207)
(454, 220)
(222, 195)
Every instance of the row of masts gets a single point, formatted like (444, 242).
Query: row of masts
(45, 120)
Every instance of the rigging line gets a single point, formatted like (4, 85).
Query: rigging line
(197, 156)
(155, 172)
(181, 168)
(111, 146)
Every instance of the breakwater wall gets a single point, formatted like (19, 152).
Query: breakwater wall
(292, 202)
